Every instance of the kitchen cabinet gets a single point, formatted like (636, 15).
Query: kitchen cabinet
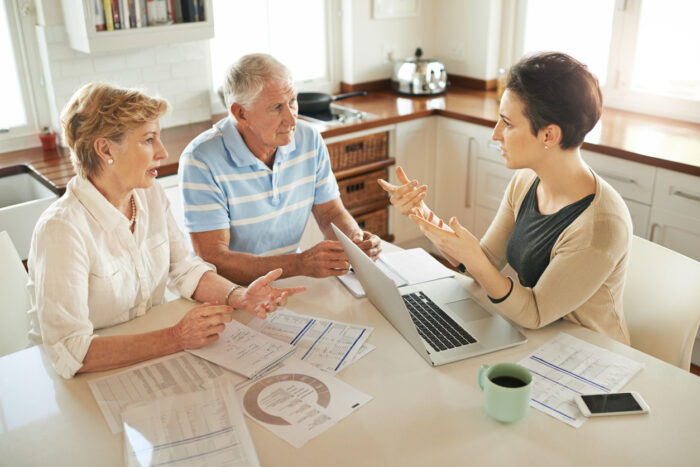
(79, 20)
(460, 144)
(358, 160)
(415, 152)
(632, 180)
(675, 212)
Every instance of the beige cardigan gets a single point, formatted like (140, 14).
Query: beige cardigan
(586, 273)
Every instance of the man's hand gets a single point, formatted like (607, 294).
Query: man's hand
(369, 243)
(324, 259)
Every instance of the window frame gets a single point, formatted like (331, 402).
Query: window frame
(21, 16)
(330, 83)
(617, 92)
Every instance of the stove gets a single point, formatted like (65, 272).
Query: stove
(338, 115)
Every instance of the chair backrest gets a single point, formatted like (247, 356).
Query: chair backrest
(14, 322)
(661, 302)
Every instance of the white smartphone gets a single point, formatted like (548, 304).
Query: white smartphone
(620, 403)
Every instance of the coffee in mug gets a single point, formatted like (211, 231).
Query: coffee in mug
(507, 388)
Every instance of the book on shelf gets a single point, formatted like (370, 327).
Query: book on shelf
(124, 13)
(99, 14)
(116, 14)
(107, 13)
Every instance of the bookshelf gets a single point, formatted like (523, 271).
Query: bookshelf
(79, 21)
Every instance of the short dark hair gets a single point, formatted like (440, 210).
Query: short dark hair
(557, 89)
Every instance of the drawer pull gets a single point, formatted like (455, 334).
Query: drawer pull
(617, 178)
(468, 191)
(685, 195)
(359, 146)
(355, 187)
(653, 230)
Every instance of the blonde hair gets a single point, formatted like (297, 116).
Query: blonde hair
(245, 79)
(100, 110)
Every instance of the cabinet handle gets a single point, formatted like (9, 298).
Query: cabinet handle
(653, 229)
(617, 177)
(685, 195)
(468, 191)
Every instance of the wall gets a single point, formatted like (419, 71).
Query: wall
(464, 34)
(366, 41)
(178, 72)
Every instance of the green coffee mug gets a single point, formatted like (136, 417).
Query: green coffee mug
(507, 388)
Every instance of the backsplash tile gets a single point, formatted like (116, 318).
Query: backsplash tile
(178, 73)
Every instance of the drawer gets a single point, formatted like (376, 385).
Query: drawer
(631, 179)
(362, 189)
(677, 192)
(375, 222)
(358, 151)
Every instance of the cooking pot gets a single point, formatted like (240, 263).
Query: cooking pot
(419, 76)
(314, 102)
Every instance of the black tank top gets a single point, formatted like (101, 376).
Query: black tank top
(534, 235)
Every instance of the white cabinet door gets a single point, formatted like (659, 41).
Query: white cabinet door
(415, 152)
(633, 180)
(640, 217)
(675, 231)
(459, 146)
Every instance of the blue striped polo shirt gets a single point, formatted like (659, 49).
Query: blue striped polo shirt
(224, 186)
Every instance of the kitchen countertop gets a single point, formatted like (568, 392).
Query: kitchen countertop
(671, 144)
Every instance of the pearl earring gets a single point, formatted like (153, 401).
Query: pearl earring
(545, 148)
(111, 161)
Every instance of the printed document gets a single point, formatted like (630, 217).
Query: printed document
(206, 427)
(174, 374)
(298, 402)
(566, 366)
(326, 344)
(244, 350)
(406, 267)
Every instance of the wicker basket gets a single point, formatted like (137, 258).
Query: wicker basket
(375, 222)
(362, 189)
(358, 151)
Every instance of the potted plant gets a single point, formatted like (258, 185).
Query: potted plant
(48, 138)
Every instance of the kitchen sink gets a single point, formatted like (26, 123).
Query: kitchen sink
(22, 200)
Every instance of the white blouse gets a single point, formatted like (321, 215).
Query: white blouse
(88, 271)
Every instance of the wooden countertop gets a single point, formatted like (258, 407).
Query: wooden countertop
(671, 144)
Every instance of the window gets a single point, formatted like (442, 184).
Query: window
(296, 33)
(645, 53)
(19, 114)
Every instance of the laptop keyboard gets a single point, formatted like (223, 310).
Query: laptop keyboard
(434, 325)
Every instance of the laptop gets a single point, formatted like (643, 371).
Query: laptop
(440, 319)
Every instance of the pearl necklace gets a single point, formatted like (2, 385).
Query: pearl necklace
(133, 212)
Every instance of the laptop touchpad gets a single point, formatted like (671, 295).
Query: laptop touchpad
(468, 310)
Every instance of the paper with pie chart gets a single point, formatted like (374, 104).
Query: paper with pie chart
(297, 402)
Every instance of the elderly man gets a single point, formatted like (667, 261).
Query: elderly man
(250, 183)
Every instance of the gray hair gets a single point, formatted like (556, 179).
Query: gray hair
(245, 79)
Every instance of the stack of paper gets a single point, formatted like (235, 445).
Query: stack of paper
(244, 350)
(406, 267)
(205, 427)
(326, 344)
(566, 366)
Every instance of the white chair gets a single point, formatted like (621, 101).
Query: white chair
(661, 302)
(14, 322)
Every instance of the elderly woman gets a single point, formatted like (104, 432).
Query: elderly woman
(102, 253)
(562, 228)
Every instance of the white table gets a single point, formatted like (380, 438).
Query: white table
(420, 415)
